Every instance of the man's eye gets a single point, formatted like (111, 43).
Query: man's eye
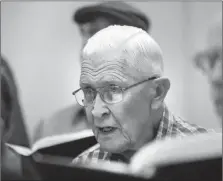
(213, 57)
(113, 94)
(88, 91)
(89, 94)
(114, 89)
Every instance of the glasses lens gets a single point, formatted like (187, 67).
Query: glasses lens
(208, 59)
(214, 56)
(89, 95)
(80, 97)
(112, 95)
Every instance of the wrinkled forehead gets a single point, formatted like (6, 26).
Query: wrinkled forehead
(107, 65)
(104, 61)
(99, 57)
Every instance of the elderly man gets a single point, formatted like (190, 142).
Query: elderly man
(91, 19)
(210, 62)
(123, 91)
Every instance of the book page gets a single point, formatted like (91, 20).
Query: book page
(20, 149)
(177, 150)
(51, 141)
(105, 165)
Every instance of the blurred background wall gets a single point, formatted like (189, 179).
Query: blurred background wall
(42, 45)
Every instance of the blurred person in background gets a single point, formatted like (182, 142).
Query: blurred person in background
(210, 62)
(19, 135)
(13, 166)
(91, 19)
(123, 90)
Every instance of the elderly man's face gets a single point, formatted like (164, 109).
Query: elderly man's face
(90, 28)
(215, 77)
(214, 58)
(125, 125)
(210, 61)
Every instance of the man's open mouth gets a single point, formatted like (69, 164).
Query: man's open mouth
(106, 130)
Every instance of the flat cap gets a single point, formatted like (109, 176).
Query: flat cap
(117, 10)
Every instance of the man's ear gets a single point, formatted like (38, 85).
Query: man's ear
(161, 88)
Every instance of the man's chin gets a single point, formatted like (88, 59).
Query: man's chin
(112, 148)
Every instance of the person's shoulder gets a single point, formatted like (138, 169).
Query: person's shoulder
(62, 121)
(66, 112)
(71, 114)
(172, 125)
(181, 126)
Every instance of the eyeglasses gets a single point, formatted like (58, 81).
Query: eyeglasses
(207, 59)
(110, 94)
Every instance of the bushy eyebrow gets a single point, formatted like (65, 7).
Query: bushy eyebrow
(86, 85)
(104, 83)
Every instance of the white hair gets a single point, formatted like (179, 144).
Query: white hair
(142, 52)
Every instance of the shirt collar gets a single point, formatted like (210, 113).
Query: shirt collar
(166, 124)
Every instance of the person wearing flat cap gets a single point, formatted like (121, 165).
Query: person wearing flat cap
(90, 19)
(209, 61)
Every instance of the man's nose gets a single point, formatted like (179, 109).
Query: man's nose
(216, 73)
(100, 109)
(216, 79)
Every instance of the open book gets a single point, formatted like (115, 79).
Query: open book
(74, 143)
(192, 152)
(194, 157)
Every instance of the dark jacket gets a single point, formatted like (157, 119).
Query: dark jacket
(17, 167)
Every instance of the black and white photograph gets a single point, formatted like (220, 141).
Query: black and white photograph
(111, 90)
